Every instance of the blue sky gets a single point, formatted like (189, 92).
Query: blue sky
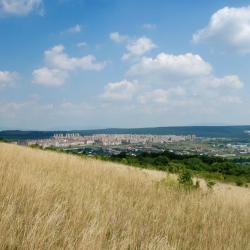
(75, 64)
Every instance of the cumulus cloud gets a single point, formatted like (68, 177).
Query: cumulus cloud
(7, 78)
(230, 81)
(157, 95)
(167, 66)
(138, 48)
(123, 90)
(20, 7)
(50, 77)
(184, 68)
(58, 65)
(228, 27)
(117, 37)
(135, 47)
(184, 80)
(57, 58)
(162, 96)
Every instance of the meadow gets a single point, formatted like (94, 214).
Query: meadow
(51, 200)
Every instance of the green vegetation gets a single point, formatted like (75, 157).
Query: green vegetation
(210, 184)
(208, 167)
(185, 178)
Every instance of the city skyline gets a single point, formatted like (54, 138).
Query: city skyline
(71, 64)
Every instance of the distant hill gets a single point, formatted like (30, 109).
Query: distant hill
(237, 132)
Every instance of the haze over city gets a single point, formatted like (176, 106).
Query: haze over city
(93, 64)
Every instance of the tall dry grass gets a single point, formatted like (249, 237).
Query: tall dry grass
(56, 201)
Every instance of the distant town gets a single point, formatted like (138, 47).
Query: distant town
(134, 144)
(75, 139)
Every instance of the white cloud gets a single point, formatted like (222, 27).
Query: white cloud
(157, 95)
(230, 81)
(138, 47)
(7, 78)
(149, 26)
(167, 66)
(58, 66)
(184, 80)
(20, 7)
(123, 90)
(228, 27)
(161, 96)
(117, 37)
(75, 29)
(57, 58)
(49, 77)
(187, 69)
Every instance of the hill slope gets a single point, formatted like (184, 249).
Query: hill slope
(57, 201)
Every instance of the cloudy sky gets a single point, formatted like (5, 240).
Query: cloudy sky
(77, 64)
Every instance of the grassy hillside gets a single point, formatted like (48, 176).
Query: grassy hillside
(50, 200)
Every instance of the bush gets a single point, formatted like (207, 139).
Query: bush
(174, 167)
(239, 183)
(197, 184)
(124, 161)
(185, 178)
(195, 164)
(210, 184)
(161, 161)
(36, 146)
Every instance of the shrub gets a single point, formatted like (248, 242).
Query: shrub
(185, 178)
(161, 161)
(124, 161)
(239, 183)
(210, 184)
(197, 184)
(174, 167)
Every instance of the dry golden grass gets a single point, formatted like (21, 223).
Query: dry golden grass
(56, 201)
